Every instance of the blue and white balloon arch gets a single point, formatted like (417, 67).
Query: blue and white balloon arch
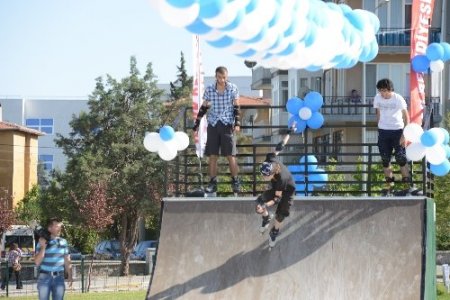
(307, 34)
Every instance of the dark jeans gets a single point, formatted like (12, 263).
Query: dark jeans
(10, 272)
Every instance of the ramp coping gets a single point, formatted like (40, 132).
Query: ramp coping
(346, 198)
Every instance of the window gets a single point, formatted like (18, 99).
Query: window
(46, 160)
(338, 138)
(322, 147)
(318, 84)
(44, 125)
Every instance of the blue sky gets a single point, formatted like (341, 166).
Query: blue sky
(56, 48)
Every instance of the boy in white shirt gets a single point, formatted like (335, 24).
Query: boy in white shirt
(392, 117)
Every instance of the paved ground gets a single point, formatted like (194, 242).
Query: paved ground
(328, 249)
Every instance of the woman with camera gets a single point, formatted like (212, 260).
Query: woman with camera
(14, 257)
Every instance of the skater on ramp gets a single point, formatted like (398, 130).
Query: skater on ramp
(280, 193)
(392, 117)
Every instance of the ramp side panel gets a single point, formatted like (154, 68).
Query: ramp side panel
(333, 249)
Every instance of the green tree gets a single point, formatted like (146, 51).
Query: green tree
(182, 87)
(105, 145)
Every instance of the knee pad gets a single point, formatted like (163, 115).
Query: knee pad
(386, 160)
(279, 217)
(401, 159)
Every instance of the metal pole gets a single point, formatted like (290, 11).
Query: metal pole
(82, 274)
(364, 123)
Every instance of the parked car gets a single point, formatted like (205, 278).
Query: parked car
(140, 251)
(74, 253)
(107, 249)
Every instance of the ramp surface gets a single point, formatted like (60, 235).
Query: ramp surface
(327, 249)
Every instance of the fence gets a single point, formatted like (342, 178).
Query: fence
(104, 277)
(353, 168)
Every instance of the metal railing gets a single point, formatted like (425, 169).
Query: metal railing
(102, 275)
(352, 168)
(402, 36)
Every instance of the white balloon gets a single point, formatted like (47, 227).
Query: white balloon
(253, 22)
(177, 17)
(305, 113)
(437, 65)
(415, 151)
(413, 132)
(168, 150)
(152, 141)
(182, 140)
(436, 154)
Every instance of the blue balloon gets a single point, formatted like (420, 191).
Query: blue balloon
(299, 178)
(300, 126)
(295, 169)
(210, 8)
(311, 160)
(288, 50)
(247, 53)
(446, 136)
(345, 8)
(446, 47)
(181, 3)
(316, 120)
(420, 63)
(198, 27)
(223, 42)
(441, 169)
(262, 34)
(294, 104)
(435, 51)
(251, 6)
(319, 175)
(166, 133)
(356, 19)
(310, 36)
(276, 16)
(429, 138)
(447, 150)
(313, 100)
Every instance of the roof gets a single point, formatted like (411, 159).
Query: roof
(7, 126)
(253, 101)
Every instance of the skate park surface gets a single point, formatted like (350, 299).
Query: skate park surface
(329, 248)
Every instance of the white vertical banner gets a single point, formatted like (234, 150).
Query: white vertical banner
(197, 96)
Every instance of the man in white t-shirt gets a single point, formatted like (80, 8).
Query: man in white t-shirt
(392, 117)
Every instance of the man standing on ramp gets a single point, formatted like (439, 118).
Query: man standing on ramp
(221, 98)
(280, 193)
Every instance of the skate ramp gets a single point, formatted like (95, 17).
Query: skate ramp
(328, 249)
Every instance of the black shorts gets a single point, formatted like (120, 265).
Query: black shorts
(221, 140)
(285, 203)
(388, 141)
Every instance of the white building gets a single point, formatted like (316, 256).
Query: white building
(52, 116)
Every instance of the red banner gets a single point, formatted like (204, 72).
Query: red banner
(422, 11)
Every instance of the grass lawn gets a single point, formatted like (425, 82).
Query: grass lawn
(134, 295)
(442, 292)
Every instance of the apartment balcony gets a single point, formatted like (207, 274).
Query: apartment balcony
(398, 40)
(261, 79)
(341, 110)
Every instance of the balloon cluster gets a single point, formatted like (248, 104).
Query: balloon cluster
(436, 55)
(315, 177)
(307, 34)
(432, 144)
(166, 142)
(305, 112)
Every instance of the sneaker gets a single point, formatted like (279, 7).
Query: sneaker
(265, 223)
(212, 186)
(273, 237)
(236, 184)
